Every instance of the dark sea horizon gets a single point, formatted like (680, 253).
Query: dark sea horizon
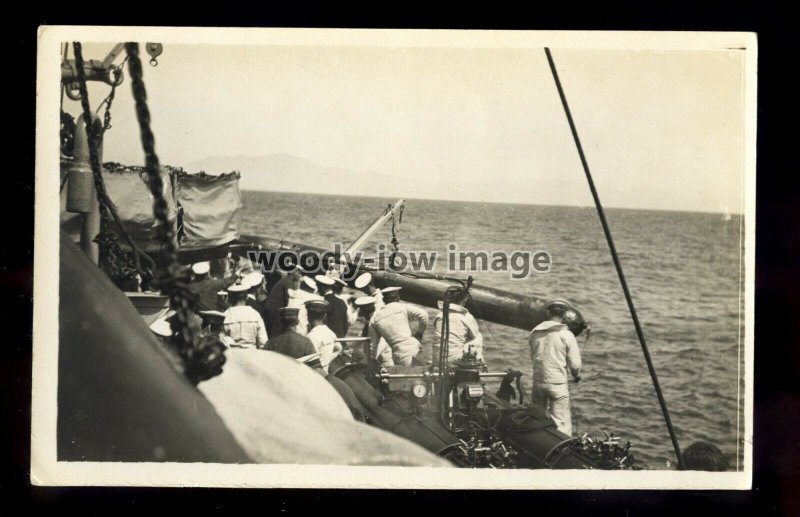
(684, 270)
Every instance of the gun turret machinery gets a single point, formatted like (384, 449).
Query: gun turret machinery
(446, 408)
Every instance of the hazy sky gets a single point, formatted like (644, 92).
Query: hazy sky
(661, 130)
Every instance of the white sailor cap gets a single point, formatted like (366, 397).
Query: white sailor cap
(363, 280)
(390, 289)
(238, 288)
(558, 302)
(324, 280)
(201, 268)
(289, 311)
(212, 315)
(253, 279)
(361, 301)
(309, 282)
(161, 328)
(453, 306)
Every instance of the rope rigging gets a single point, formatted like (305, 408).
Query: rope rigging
(202, 355)
(465, 283)
(174, 279)
(106, 206)
(117, 71)
(617, 264)
(396, 221)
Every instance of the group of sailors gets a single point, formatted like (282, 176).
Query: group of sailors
(305, 316)
(302, 317)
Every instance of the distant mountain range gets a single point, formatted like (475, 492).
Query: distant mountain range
(281, 172)
(287, 173)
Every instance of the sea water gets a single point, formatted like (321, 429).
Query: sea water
(684, 270)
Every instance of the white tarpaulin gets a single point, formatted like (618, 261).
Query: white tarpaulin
(281, 411)
(210, 205)
(127, 188)
(211, 208)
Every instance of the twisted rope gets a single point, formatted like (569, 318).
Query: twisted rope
(174, 279)
(107, 209)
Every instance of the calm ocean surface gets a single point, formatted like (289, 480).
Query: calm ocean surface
(682, 269)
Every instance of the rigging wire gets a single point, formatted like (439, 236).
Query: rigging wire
(107, 208)
(617, 264)
(396, 221)
(110, 97)
(174, 279)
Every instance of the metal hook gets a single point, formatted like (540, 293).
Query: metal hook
(155, 50)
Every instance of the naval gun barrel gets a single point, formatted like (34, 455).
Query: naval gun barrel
(486, 303)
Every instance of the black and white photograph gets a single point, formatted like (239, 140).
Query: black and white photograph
(393, 258)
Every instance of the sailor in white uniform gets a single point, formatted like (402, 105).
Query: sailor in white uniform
(401, 325)
(556, 357)
(298, 298)
(366, 308)
(242, 323)
(322, 337)
(365, 283)
(464, 334)
(214, 324)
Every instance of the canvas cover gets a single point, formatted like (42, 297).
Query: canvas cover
(211, 208)
(281, 411)
(127, 188)
(209, 205)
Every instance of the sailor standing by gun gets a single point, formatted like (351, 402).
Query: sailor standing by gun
(320, 335)
(464, 335)
(366, 308)
(393, 322)
(554, 351)
(367, 285)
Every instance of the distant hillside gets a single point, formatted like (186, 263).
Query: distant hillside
(287, 173)
(282, 172)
